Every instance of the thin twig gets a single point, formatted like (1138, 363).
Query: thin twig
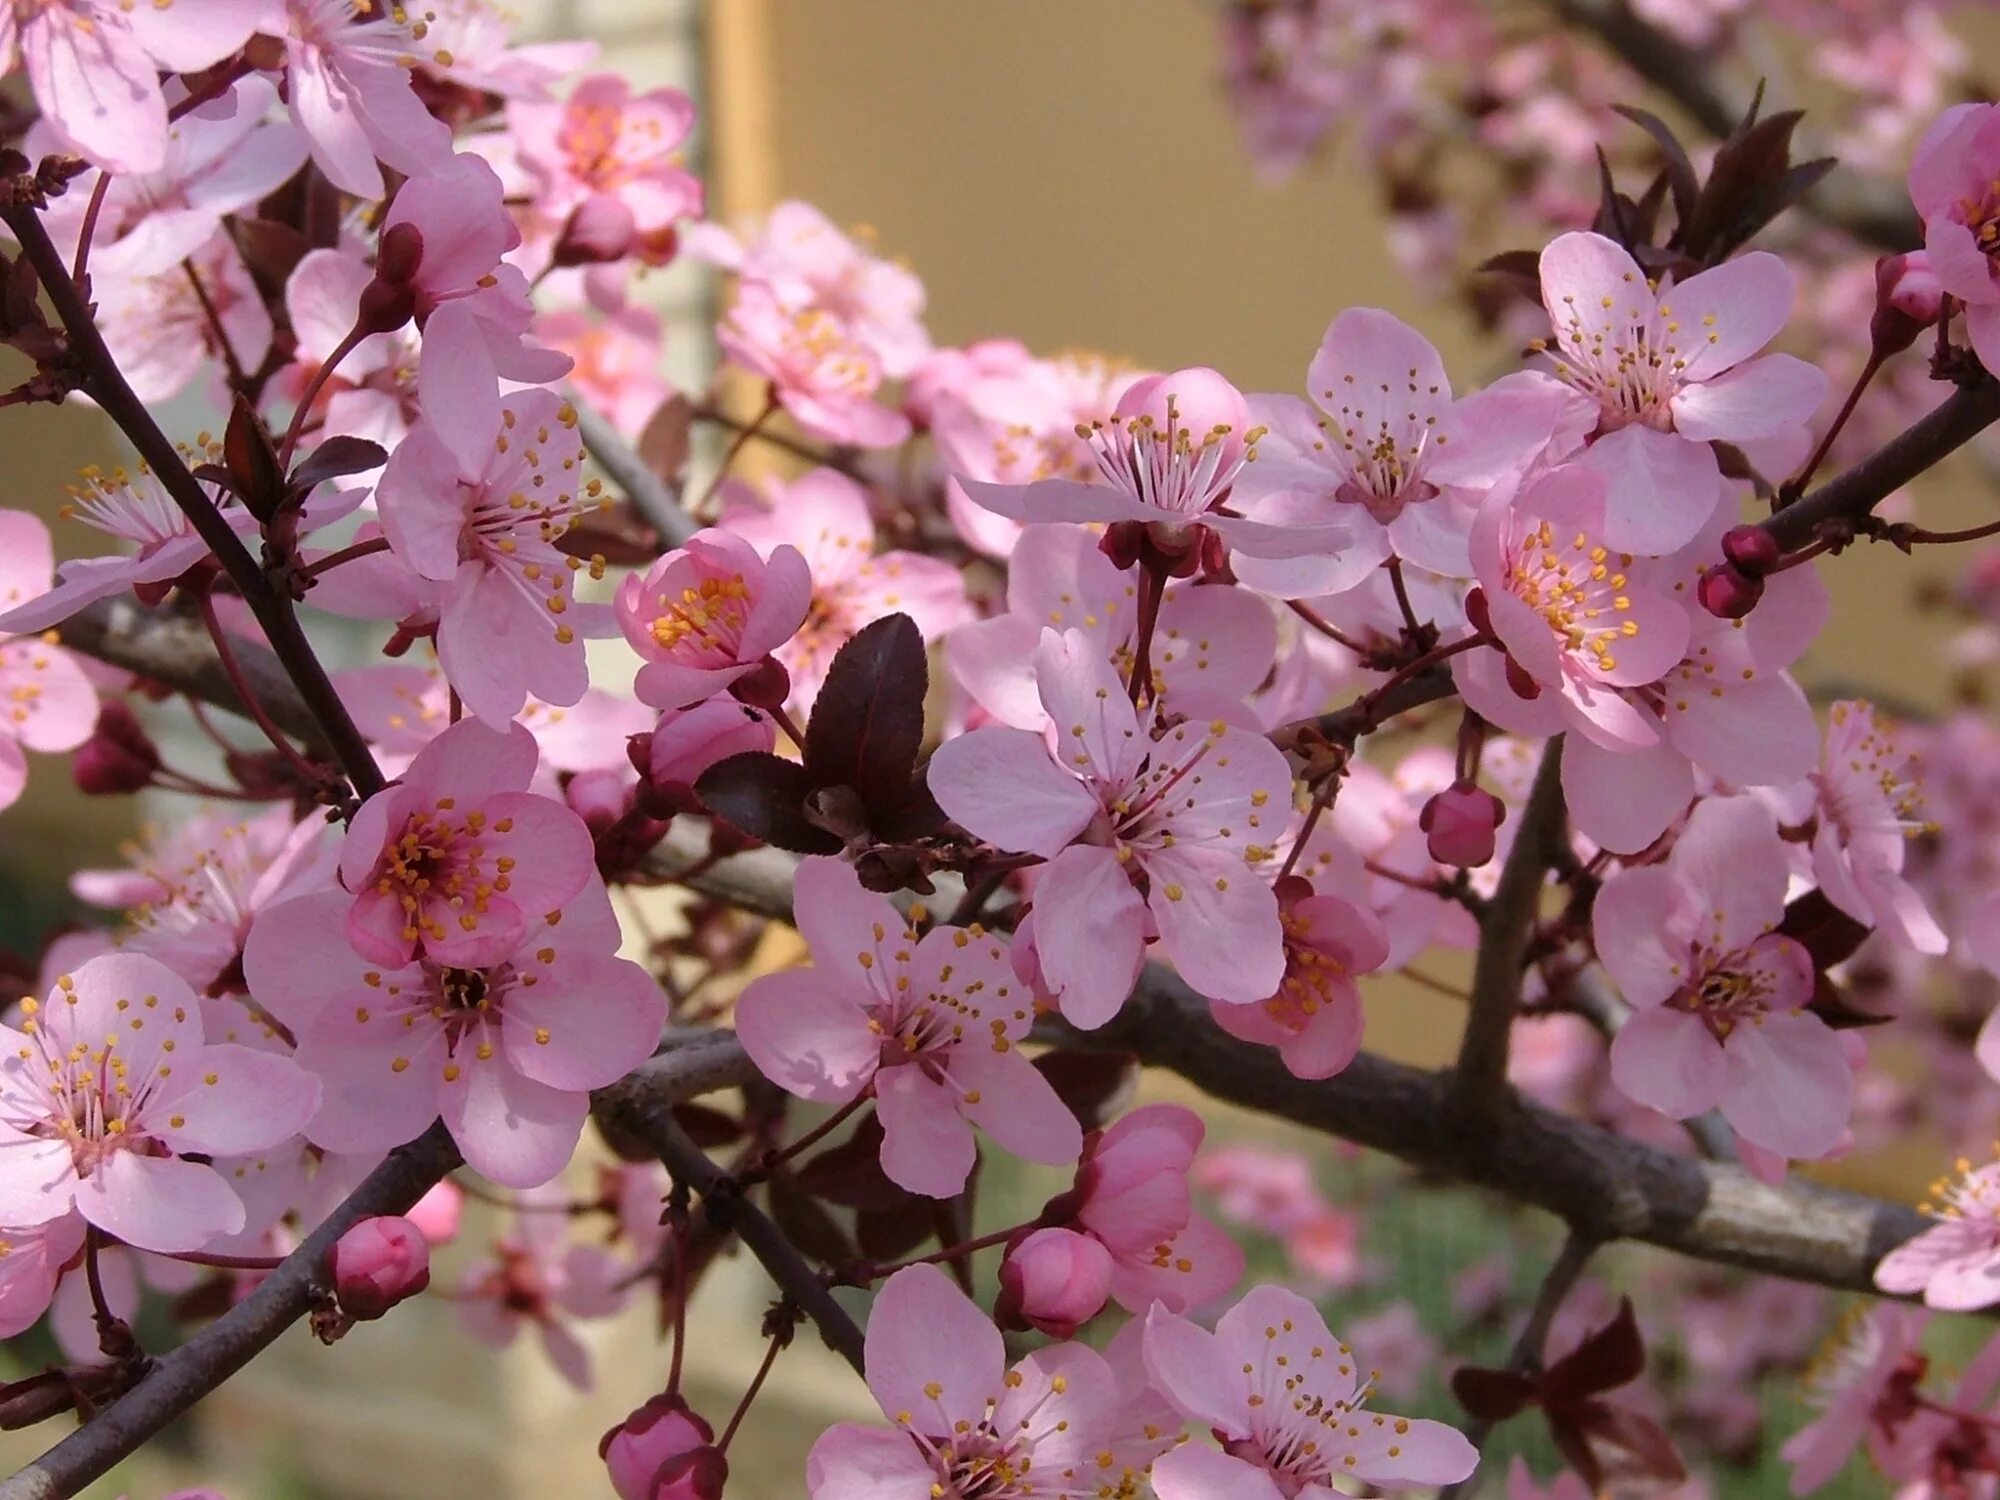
(649, 494)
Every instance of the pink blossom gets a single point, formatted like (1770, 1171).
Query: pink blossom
(606, 143)
(617, 355)
(1168, 456)
(162, 335)
(807, 263)
(458, 216)
(1460, 823)
(1055, 1280)
(1270, 1191)
(824, 516)
(536, 1278)
(1955, 1265)
(94, 68)
(1394, 457)
(1314, 1018)
(473, 48)
(1953, 177)
(50, 704)
(967, 1423)
(1721, 998)
(1670, 375)
(823, 375)
(457, 860)
(378, 1263)
(1118, 800)
(638, 1451)
(31, 1266)
(929, 1023)
(1875, 1353)
(94, 1115)
(1208, 645)
(504, 1047)
(1133, 1199)
(688, 741)
(348, 85)
(710, 613)
(1287, 1403)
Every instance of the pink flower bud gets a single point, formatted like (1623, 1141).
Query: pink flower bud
(119, 757)
(690, 740)
(437, 1213)
(1460, 822)
(378, 1263)
(1729, 593)
(1908, 299)
(663, 1452)
(1056, 1280)
(600, 229)
(1752, 549)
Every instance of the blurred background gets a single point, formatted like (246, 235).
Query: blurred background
(1068, 175)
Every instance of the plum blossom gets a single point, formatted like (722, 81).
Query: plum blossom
(817, 369)
(824, 517)
(475, 499)
(1314, 1018)
(1955, 185)
(709, 614)
(1955, 1265)
(536, 1278)
(1182, 808)
(1721, 998)
(930, 1024)
(1168, 456)
(1872, 1356)
(505, 1048)
(1208, 643)
(617, 354)
(1287, 1403)
(108, 1087)
(160, 329)
(1394, 456)
(30, 1267)
(967, 1424)
(458, 861)
(1054, 1280)
(348, 84)
(1669, 376)
(46, 701)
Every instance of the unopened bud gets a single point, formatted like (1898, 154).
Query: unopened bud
(663, 1451)
(1729, 593)
(1908, 299)
(119, 757)
(688, 741)
(1752, 549)
(378, 1263)
(1460, 823)
(1055, 1280)
(601, 228)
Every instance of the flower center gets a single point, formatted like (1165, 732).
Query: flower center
(1165, 464)
(712, 613)
(1574, 589)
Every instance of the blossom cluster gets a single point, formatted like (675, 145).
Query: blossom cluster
(1089, 658)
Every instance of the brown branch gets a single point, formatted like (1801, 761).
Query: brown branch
(651, 496)
(274, 612)
(1875, 213)
(1504, 929)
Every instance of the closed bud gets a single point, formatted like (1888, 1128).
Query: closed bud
(663, 1451)
(1460, 824)
(1908, 299)
(1055, 1280)
(1752, 549)
(378, 1263)
(688, 741)
(1729, 593)
(119, 757)
(601, 228)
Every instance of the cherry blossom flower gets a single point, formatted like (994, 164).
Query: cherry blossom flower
(1955, 1265)
(606, 143)
(31, 1266)
(929, 1024)
(1208, 643)
(108, 1087)
(348, 84)
(1168, 456)
(1953, 183)
(807, 263)
(49, 704)
(1183, 808)
(1314, 1018)
(967, 1424)
(824, 517)
(472, 47)
(1394, 456)
(1670, 375)
(95, 66)
(1287, 1403)
(162, 333)
(505, 1049)
(458, 861)
(1721, 1021)
(1870, 1355)
(710, 613)
(818, 370)
(617, 354)
(536, 1278)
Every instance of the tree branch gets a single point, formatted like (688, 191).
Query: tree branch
(1875, 213)
(1504, 929)
(652, 498)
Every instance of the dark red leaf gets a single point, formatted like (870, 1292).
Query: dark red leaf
(868, 721)
(252, 461)
(336, 456)
(1826, 932)
(1492, 1395)
(1647, 1451)
(764, 796)
(1615, 1355)
(1093, 1084)
(664, 442)
(1682, 180)
(889, 1234)
(708, 1128)
(811, 1229)
(850, 1174)
(271, 250)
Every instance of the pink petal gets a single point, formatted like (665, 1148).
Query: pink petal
(38, 1180)
(1753, 733)
(233, 1100)
(1909, 1269)
(1662, 487)
(852, 1462)
(1187, 1365)
(1667, 1060)
(808, 1034)
(1096, 728)
(1002, 786)
(1054, 500)
(158, 1202)
(1193, 1472)
(1758, 399)
(1395, 1453)
(590, 1020)
(924, 1332)
(1788, 1085)
(1623, 800)
(460, 390)
(1218, 923)
(1090, 933)
(1728, 312)
(1731, 865)
(1017, 1106)
(518, 1132)
(1203, 1262)
(926, 1144)
(1630, 925)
